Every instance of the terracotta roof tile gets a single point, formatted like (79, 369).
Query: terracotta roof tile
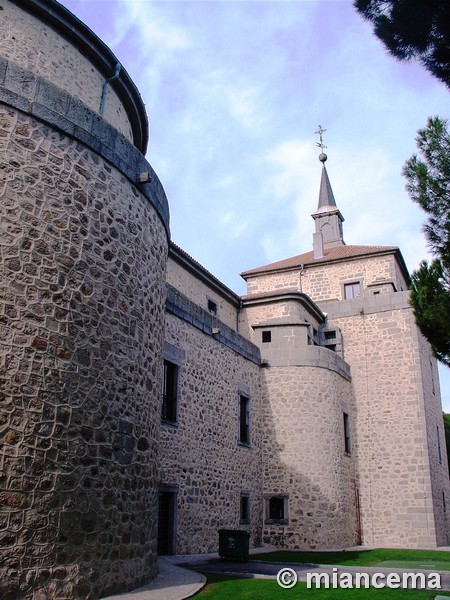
(331, 254)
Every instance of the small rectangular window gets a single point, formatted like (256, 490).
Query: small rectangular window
(347, 433)
(244, 420)
(330, 335)
(444, 505)
(245, 509)
(170, 386)
(352, 290)
(212, 307)
(277, 509)
(266, 337)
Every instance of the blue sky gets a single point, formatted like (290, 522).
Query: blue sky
(235, 91)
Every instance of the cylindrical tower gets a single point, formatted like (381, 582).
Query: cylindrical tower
(83, 249)
(310, 493)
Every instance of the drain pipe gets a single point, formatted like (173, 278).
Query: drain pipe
(105, 88)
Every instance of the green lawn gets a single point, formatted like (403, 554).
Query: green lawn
(382, 557)
(222, 586)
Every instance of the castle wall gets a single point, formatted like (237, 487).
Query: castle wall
(304, 458)
(82, 295)
(434, 424)
(200, 293)
(82, 270)
(325, 281)
(398, 502)
(200, 456)
(39, 48)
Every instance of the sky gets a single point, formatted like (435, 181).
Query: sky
(235, 91)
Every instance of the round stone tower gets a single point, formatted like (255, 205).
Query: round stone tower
(83, 249)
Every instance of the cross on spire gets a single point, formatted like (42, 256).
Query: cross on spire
(320, 133)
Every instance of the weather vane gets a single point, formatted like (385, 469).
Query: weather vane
(322, 155)
(319, 133)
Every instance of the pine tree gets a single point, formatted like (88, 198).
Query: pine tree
(428, 184)
(413, 29)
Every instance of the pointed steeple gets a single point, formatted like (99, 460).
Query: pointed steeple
(326, 196)
(328, 219)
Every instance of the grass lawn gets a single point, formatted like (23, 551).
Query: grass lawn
(382, 557)
(222, 587)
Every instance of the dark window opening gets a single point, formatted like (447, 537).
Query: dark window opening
(212, 307)
(266, 337)
(170, 384)
(444, 505)
(439, 445)
(245, 509)
(166, 523)
(244, 420)
(347, 433)
(330, 335)
(352, 290)
(276, 509)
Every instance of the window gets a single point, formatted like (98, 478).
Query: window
(244, 420)
(277, 509)
(439, 444)
(266, 337)
(433, 388)
(212, 307)
(352, 290)
(245, 509)
(170, 384)
(347, 433)
(330, 335)
(444, 505)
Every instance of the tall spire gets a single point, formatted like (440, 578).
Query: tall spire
(328, 219)
(326, 196)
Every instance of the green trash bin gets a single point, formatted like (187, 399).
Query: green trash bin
(234, 543)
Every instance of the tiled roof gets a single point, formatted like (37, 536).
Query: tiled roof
(331, 254)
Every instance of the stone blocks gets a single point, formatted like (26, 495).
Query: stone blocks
(82, 263)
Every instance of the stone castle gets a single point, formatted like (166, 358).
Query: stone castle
(145, 405)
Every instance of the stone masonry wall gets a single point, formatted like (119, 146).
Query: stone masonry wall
(325, 282)
(200, 455)
(437, 454)
(82, 261)
(200, 293)
(392, 442)
(36, 46)
(304, 457)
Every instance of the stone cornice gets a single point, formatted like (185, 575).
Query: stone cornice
(284, 296)
(180, 306)
(31, 94)
(98, 53)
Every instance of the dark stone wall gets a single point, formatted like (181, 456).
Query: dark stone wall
(82, 270)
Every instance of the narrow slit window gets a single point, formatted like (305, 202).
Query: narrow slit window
(170, 386)
(244, 420)
(347, 434)
(245, 509)
(439, 444)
